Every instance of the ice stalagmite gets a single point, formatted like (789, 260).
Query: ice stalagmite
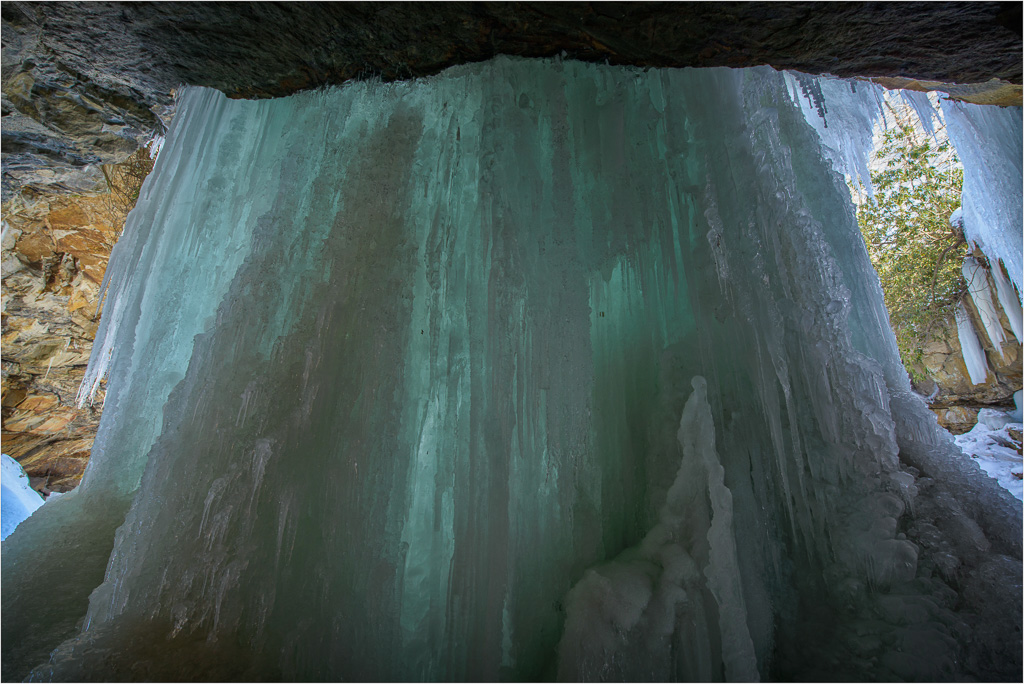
(627, 617)
(533, 369)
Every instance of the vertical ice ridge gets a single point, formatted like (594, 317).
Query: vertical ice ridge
(978, 285)
(409, 405)
(974, 355)
(621, 610)
(988, 142)
(697, 434)
(1008, 299)
(130, 250)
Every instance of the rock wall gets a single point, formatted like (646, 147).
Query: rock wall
(55, 251)
(951, 394)
(86, 83)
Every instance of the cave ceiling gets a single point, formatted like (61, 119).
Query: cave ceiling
(87, 82)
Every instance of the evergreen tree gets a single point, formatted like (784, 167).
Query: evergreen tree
(917, 252)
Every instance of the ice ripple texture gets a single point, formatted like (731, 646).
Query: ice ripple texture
(532, 369)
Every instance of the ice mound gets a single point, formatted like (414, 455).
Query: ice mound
(19, 499)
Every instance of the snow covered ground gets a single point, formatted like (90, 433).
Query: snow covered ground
(18, 498)
(997, 450)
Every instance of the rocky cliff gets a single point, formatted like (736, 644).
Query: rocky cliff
(55, 250)
(944, 380)
(86, 83)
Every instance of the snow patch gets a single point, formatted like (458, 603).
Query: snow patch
(19, 499)
(995, 450)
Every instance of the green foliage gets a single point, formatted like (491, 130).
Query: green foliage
(917, 253)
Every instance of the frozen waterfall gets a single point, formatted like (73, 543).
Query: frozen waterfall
(529, 370)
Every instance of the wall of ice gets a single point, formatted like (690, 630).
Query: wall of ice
(988, 141)
(532, 369)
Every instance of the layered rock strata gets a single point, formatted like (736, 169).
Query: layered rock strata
(55, 251)
(87, 83)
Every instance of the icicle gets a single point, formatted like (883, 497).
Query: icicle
(924, 108)
(976, 276)
(852, 112)
(974, 355)
(1008, 299)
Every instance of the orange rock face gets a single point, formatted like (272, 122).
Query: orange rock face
(55, 251)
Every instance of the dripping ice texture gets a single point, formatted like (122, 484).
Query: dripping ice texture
(976, 277)
(397, 370)
(974, 354)
(988, 142)
(1009, 302)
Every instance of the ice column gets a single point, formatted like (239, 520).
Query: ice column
(1008, 300)
(974, 355)
(981, 294)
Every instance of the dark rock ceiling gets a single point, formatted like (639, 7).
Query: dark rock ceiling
(74, 72)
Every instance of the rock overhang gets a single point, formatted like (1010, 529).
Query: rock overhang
(86, 83)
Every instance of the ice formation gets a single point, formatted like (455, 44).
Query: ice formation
(530, 369)
(19, 499)
(851, 117)
(980, 290)
(970, 346)
(988, 142)
(922, 105)
(844, 114)
(622, 613)
(1008, 301)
